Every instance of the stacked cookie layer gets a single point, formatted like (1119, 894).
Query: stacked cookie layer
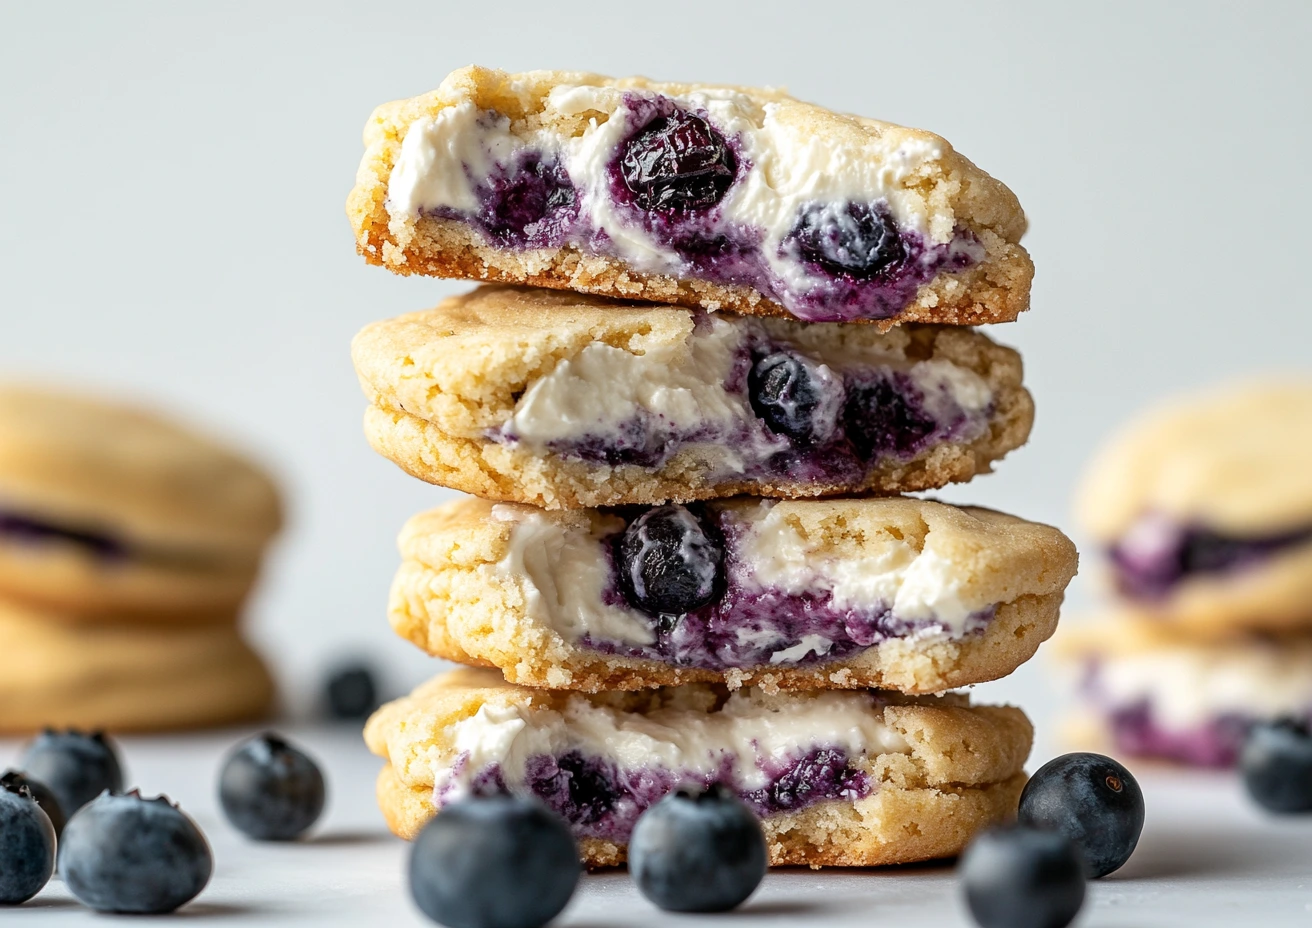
(1204, 511)
(127, 547)
(674, 570)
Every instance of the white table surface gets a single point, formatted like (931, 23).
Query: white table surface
(1206, 858)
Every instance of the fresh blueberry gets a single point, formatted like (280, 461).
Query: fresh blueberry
(494, 862)
(670, 562)
(351, 693)
(1022, 878)
(125, 853)
(1093, 801)
(698, 851)
(880, 418)
(27, 844)
(269, 790)
(854, 239)
(12, 780)
(787, 391)
(76, 766)
(677, 162)
(1276, 763)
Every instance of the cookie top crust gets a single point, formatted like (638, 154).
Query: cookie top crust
(76, 463)
(1236, 459)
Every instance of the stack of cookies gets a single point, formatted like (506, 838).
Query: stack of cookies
(674, 567)
(1204, 510)
(127, 547)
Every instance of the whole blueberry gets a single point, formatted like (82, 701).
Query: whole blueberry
(670, 562)
(787, 391)
(125, 853)
(885, 416)
(76, 766)
(27, 844)
(698, 851)
(853, 239)
(1276, 764)
(494, 862)
(351, 693)
(1093, 801)
(1022, 878)
(270, 790)
(677, 163)
(14, 779)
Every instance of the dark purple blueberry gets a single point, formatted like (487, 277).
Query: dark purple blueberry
(670, 562)
(270, 790)
(822, 774)
(76, 766)
(519, 203)
(576, 787)
(1093, 801)
(27, 844)
(494, 862)
(1276, 764)
(786, 391)
(125, 853)
(854, 239)
(880, 418)
(1021, 877)
(677, 162)
(698, 851)
(351, 693)
(13, 780)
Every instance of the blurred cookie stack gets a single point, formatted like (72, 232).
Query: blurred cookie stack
(1203, 509)
(674, 570)
(127, 547)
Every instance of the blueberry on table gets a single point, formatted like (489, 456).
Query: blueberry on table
(853, 239)
(677, 163)
(494, 862)
(1093, 801)
(14, 779)
(670, 562)
(270, 790)
(786, 392)
(1276, 765)
(125, 853)
(1022, 877)
(351, 693)
(27, 844)
(76, 766)
(698, 851)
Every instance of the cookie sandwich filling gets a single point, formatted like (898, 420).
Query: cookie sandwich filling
(721, 587)
(751, 404)
(1158, 553)
(706, 184)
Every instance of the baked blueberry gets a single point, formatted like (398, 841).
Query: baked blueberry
(270, 790)
(494, 862)
(27, 844)
(853, 239)
(1276, 764)
(76, 766)
(698, 851)
(350, 692)
(125, 853)
(1022, 877)
(880, 418)
(14, 779)
(1093, 801)
(517, 206)
(670, 562)
(787, 391)
(677, 163)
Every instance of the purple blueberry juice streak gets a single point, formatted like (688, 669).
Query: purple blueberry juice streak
(24, 529)
(1217, 743)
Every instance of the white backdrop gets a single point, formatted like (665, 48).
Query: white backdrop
(172, 178)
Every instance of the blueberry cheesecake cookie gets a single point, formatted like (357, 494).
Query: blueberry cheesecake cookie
(565, 400)
(1149, 693)
(902, 594)
(845, 778)
(1204, 508)
(709, 196)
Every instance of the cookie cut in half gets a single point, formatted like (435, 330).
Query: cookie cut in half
(1204, 507)
(718, 197)
(851, 778)
(902, 594)
(563, 401)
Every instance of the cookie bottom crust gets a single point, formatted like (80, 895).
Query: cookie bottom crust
(891, 826)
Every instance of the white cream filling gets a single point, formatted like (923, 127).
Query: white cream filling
(749, 728)
(1188, 687)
